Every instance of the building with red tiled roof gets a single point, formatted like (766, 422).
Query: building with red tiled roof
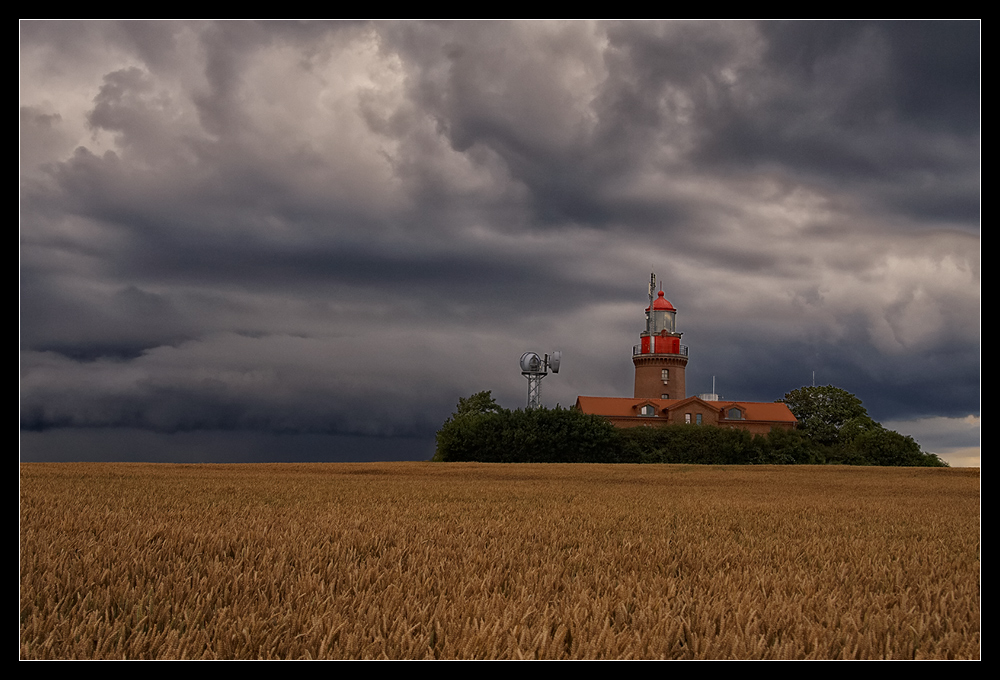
(660, 392)
(754, 416)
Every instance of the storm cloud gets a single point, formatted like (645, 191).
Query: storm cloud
(337, 229)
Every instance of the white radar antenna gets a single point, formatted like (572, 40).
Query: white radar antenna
(534, 368)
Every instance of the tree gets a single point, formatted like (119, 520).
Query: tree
(457, 438)
(787, 447)
(855, 427)
(477, 404)
(481, 430)
(836, 419)
(823, 411)
(888, 447)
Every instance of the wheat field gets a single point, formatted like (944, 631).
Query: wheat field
(479, 561)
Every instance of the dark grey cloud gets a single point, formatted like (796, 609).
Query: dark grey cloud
(335, 229)
(889, 110)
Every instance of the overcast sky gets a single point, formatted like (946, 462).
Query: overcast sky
(306, 241)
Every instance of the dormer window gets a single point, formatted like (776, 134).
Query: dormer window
(734, 414)
(647, 410)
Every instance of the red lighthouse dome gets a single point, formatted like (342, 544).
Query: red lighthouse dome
(662, 303)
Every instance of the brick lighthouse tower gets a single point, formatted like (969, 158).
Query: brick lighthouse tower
(660, 358)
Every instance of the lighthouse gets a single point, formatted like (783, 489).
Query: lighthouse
(660, 398)
(660, 358)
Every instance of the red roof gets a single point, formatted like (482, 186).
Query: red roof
(771, 412)
(662, 303)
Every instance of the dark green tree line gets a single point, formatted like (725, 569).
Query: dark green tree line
(834, 429)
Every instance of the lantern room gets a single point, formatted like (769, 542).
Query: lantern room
(660, 336)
